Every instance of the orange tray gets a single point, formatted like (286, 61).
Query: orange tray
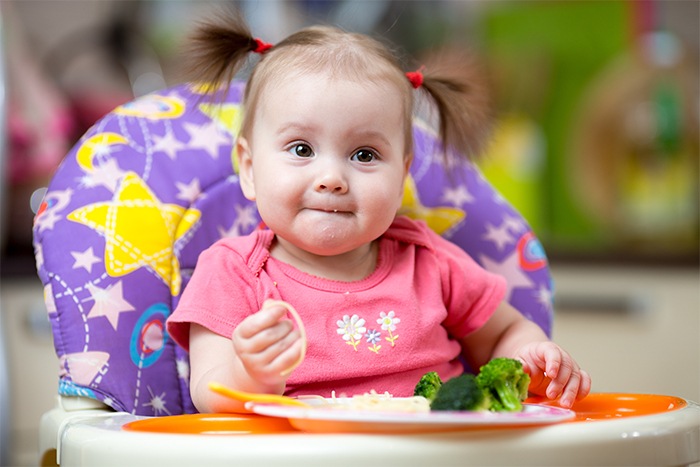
(595, 407)
(212, 424)
(607, 406)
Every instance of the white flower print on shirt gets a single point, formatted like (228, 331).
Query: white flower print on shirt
(389, 322)
(351, 329)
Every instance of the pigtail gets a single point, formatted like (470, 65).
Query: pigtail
(462, 99)
(217, 50)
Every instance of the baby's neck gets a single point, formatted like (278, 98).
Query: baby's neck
(352, 266)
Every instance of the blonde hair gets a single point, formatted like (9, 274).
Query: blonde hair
(220, 47)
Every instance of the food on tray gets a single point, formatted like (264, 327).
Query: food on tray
(374, 402)
(428, 385)
(500, 386)
(461, 393)
(507, 383)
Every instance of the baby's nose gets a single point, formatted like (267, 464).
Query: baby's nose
(332, 180)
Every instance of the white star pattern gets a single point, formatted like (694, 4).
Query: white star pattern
(207, 137)
(53, 203)
(183, 369)
(544, 296)
(232, 232)
(48, 220)
(457, 196)
(246, 217)
(86, 259)
(157, 402)
(168, 144)
(107, 174)
(39, 258)
(109, 303)
(498, 235)
(514, 223)
(188, 191)
(510, 270)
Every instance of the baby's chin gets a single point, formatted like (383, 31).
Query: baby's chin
(325, 244)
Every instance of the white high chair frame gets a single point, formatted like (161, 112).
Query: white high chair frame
(80, 433)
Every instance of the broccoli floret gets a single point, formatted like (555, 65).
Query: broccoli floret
(461, 393)
(428, 385)
(506, 381)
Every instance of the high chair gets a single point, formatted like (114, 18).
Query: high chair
(144, 191)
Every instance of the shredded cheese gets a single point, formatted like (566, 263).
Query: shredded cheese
(375, 402)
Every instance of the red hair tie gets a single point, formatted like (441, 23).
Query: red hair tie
(415, 77)
(260, 46)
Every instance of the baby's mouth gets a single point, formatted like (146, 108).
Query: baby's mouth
(332, 210)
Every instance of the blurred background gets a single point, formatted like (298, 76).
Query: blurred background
(596, 143)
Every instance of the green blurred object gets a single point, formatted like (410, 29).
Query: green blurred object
(544, 55)
(515, 163)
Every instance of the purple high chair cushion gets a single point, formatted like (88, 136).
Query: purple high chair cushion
(151, 185)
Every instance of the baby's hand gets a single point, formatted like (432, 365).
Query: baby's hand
(554, 373)
(267, 345)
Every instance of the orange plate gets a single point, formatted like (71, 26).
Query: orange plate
(606, 406)
(212, 424)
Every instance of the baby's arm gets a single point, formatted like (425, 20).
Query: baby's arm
(253, 360)
(553, 371)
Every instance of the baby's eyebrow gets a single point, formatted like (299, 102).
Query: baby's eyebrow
(296, 127)
(371, 135)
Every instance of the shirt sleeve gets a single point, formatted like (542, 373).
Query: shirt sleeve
(221, 292)
(471, 294)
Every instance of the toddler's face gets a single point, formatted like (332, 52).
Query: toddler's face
(325, 161)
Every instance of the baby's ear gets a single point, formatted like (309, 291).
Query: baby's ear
(245, 168)
(408, 160)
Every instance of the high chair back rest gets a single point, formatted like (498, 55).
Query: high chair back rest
(151, 185)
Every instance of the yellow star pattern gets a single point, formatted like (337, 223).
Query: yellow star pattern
(139, 230)
(229, 117)
(439, 219)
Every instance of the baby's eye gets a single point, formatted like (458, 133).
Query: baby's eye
(364, 155)
(302, 150)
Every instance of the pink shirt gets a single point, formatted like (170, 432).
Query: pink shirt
(382, 332)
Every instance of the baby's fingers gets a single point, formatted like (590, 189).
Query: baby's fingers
(266, 318)
(560, 376)
(553, 357)
(574, 392)
(576, 388)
